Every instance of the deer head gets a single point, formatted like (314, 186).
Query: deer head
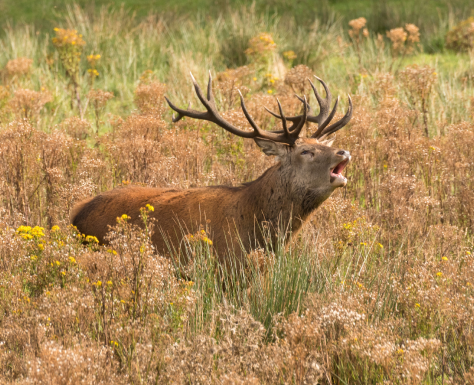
(306, 164)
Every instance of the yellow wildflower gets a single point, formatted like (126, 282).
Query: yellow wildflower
(150, 207)
(91, 238)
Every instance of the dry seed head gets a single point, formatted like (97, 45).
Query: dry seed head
(297, 78)
(76, 127)
(413, 33)
(358, 24)
(26, 103)
(100, 97)
(398, 36)
(149, 98)
(261, 45)
(20, 66)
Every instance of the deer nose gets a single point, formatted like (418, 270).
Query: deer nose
(344, 153)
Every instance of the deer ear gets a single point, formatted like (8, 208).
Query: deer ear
(270, 147)
(328, 142)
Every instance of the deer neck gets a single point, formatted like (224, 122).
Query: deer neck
(277, 198)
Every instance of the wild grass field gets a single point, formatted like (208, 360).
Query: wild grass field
(378, 288)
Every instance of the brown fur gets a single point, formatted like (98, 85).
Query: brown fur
(283, 197)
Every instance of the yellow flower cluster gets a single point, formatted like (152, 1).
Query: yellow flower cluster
(55, 228)
(93, 59)
(261, 45)
(150, 207)
(67, 37)
(123, 218)
(26, 232)
(199, 236)
(91, 238)
(93, 72)
(289, 55)
(271, 79)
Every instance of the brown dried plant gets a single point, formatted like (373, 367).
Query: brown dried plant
(149, 98)
(230, 81)
(16, 68)
(99, 99)
(76, 127)
(418, 82)
(26, 104)
(296, 79)
(461, 36)
(404, 41)
(358, 25)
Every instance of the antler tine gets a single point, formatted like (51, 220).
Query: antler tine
(304, 101)
(339, 124)
(322, 126)
(272, 113)
(300, 125)
(210, 95)
(283, 119)
(183, 113)
(291, 118)
(210, 105)
(300, 120)
(324, 104)
(247, 115)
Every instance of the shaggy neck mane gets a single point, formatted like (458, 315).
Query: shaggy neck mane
(275, 197)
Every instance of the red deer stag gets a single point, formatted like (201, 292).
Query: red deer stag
(307, 172)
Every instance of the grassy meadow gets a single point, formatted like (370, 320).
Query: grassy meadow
(377, 288)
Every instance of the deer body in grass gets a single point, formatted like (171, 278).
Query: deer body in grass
(247, 216)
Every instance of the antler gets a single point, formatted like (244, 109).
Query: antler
(324, 118)
(287, 135)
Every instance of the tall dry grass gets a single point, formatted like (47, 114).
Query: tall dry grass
(378, 287)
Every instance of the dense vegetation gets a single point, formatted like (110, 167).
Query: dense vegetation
(378, 287)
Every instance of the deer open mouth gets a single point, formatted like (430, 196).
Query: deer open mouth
(336, 172)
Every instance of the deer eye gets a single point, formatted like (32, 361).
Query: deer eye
(305, 152)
